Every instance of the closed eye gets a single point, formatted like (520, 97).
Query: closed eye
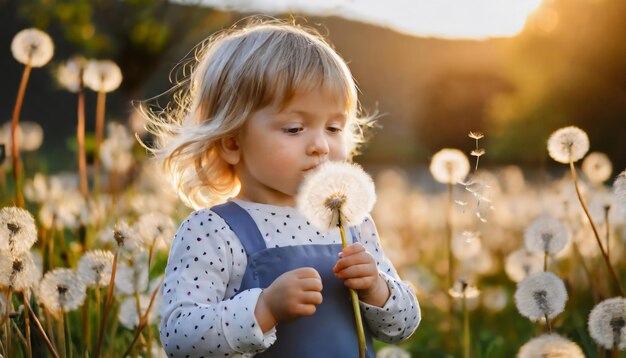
(293, 130)
(334, 129)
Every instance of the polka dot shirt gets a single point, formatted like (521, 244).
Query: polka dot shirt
(205, 315)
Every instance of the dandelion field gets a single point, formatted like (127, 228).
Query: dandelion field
(499, 258)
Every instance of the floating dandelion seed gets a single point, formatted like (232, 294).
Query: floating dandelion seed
(552, 346)
(392, 352)
(449, 166)
(478, 152)
(546, 235)
(540, 295)
(568, 144)
(333, 186)
(62, 290)
(475, 135)
(607, 322)
(597, 167)
(619, 188)
(19, 271)
(17, 230)
(102, 75)
(32, 47)
(94, 267)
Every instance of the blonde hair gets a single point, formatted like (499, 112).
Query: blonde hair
(237, 72)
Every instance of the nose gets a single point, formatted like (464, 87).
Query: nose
(318, 144)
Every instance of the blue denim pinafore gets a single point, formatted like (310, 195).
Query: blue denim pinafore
(330, 332)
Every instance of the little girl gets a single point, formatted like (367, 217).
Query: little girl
(265, 104)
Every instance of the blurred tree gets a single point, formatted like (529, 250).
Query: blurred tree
(136, 34)
(567, 67)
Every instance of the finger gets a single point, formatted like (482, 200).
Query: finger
(306, 309)
(313, 298)
(307, 272)
(360, 283)
(364, 270)
(357, 259)
(352, 249)
(311, 284)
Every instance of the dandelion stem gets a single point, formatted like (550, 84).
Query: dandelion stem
(548, 323)
(107, 303)
(143, 322)
(466, 330)
(608, 231)
(61, 336)
(450, 261)
(595, 231)
(15, 154)
(354, 297)
(100, 106)
(18, 334)
(41, 330)
(80, 137)
(545, 261)
(68, 334)
(27, 327)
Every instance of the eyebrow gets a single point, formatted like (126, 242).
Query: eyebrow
(306, 114)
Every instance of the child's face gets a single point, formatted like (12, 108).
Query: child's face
(277, 147)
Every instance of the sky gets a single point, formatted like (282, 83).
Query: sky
(454, 19)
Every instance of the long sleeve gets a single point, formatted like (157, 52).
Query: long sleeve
(400, 315)
(202, 313)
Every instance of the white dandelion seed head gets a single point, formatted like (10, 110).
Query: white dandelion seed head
(568, 144)
(102, 75)
(495, 299)
(521, 264)
(607, 322)
(393, 352)
(597, 167)
(115, 158)
(540, 294)
(94, 267)
(19, 271)
(124, 236)
(336, 183)
(546, 234)
(466, 245)
(32, 46)
(550, 345)
(29, 136)
(131, 278)
(155, 229)
(69, 73)
(463, 288)
(17, 230)
(449, 166)
(61, 290)
(619, 189)
(128, 315)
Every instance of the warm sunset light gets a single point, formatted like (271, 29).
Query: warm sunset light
(475, 19)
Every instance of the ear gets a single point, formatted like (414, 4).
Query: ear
(229, 150)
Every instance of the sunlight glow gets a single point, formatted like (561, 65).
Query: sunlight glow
(467, 19)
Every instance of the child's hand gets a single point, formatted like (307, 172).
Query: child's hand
(357, 267)
(293, 294)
